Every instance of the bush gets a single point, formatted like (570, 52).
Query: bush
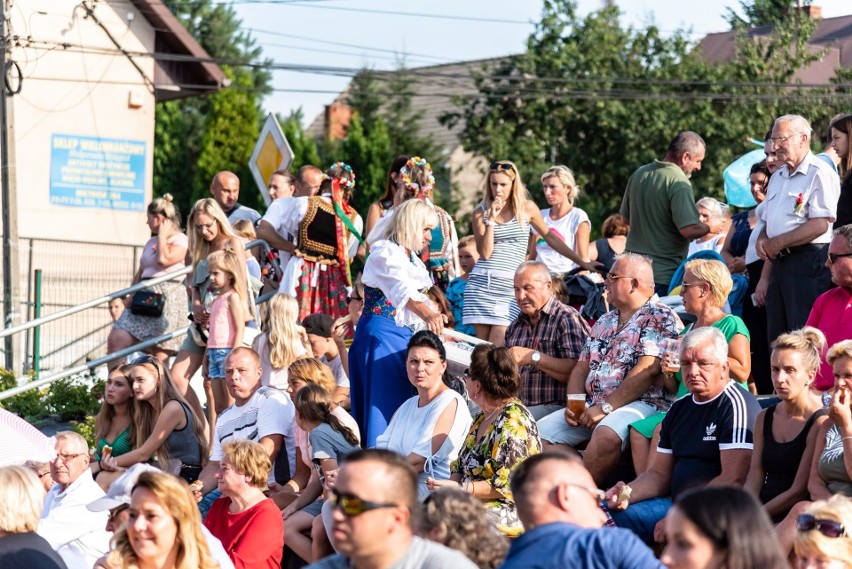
(30, 405)
(86, 429)
(74, 398)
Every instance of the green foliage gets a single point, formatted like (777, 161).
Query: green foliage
(198, 136)
(74, 398)
(304, 148)
(86, 428)
(30, 404)
(604, 100)
(761, 12)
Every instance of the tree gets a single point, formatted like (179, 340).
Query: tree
(604, 100)
(198, 136)
(761, 12)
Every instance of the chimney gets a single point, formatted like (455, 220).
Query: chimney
(814, 12)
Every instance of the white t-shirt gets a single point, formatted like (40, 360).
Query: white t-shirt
(565, 228)
(274, 216)
(337, 370)
(268, 412)
(411, 429)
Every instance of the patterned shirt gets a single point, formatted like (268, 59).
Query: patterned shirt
(560, 332)
(612, 351)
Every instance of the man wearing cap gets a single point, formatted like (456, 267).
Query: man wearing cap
(117, 502)
(76, 533)
(331, 350)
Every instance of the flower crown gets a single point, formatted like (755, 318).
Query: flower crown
(344, 182)
(405, 172)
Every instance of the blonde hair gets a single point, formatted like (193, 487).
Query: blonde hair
(837, 508)
(839, 350)
(245, 229)
(21, 499)
(311, 370)
(409, 221)
(467, 241)
(103, 420)
(518, 191)
(281, 330)
(147, 412)
(250, 459)
(199, 246)
(566, 178)
(717, 275)
(174, 496)
(164, 206)
(809, 341)
(228, 261)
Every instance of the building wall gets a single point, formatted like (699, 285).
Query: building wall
(82, 91)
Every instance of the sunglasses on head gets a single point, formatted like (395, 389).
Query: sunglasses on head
(352, 506)
(501, 166)
(145, 360)
(828, 528)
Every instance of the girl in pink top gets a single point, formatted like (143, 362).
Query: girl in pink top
(227, 320)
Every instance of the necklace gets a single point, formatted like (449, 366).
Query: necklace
(494, 411)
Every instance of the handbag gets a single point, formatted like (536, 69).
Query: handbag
(147, 303)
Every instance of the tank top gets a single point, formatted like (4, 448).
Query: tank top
(221, 323)
(510, 249)
(121, 445)
(182, 443)
(830, 465)
(606, 255)
(778, 467)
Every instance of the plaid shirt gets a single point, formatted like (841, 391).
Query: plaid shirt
(561, 333)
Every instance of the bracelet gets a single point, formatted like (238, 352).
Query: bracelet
(844, 438)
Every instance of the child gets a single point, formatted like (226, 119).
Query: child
(330, 441)
(227, 321)
(282, 342)
(355, 306)
(245, 229)
(468, 256)
(331, 350)
(116, 307)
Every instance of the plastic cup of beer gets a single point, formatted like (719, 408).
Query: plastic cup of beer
(577, 404)
(673, 355)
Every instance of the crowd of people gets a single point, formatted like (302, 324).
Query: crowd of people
(700, 420)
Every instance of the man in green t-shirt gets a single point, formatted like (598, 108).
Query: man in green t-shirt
(660, 206)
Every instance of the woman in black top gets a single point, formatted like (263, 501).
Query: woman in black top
(841, 132)
(784, 434)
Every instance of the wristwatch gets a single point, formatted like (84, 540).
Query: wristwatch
(535, 357)
(606, 408)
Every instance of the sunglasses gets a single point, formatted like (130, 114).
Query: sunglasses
(828, 528)
(145, 360)
(352, 506)
(832, 257)
(501, 166)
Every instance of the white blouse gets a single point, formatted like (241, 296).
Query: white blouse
(399, 276)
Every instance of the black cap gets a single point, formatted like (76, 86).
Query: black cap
(318, 324)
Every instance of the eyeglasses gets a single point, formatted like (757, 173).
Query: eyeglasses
(596, 493)
(199, 227)
(352, 506)
(66, 458)
(501, 166)
(612, 277)
(828, 528)
(832, 257)
(43, 474)
(351, 298)
(780, 139)
(115, 512)
(685, 286)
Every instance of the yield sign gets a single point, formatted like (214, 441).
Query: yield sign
(271, 152)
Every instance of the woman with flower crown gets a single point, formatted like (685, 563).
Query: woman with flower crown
(328, 232)
(416, 180)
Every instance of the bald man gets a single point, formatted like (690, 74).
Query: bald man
(618, 370)
(225, 189)
(373, 501)
(559, 506)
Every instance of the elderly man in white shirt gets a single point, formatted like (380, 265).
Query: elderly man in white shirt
(76, 533)
(798, 214)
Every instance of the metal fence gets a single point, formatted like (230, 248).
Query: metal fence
(72, 273)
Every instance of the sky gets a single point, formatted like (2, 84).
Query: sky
(351, 34)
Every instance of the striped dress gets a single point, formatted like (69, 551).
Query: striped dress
(490, 294)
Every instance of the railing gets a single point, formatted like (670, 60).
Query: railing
(37, 322)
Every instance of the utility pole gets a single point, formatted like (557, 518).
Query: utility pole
(9, 199)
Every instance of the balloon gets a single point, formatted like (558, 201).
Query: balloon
(737, 186)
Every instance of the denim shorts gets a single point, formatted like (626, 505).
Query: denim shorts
(216, 362)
